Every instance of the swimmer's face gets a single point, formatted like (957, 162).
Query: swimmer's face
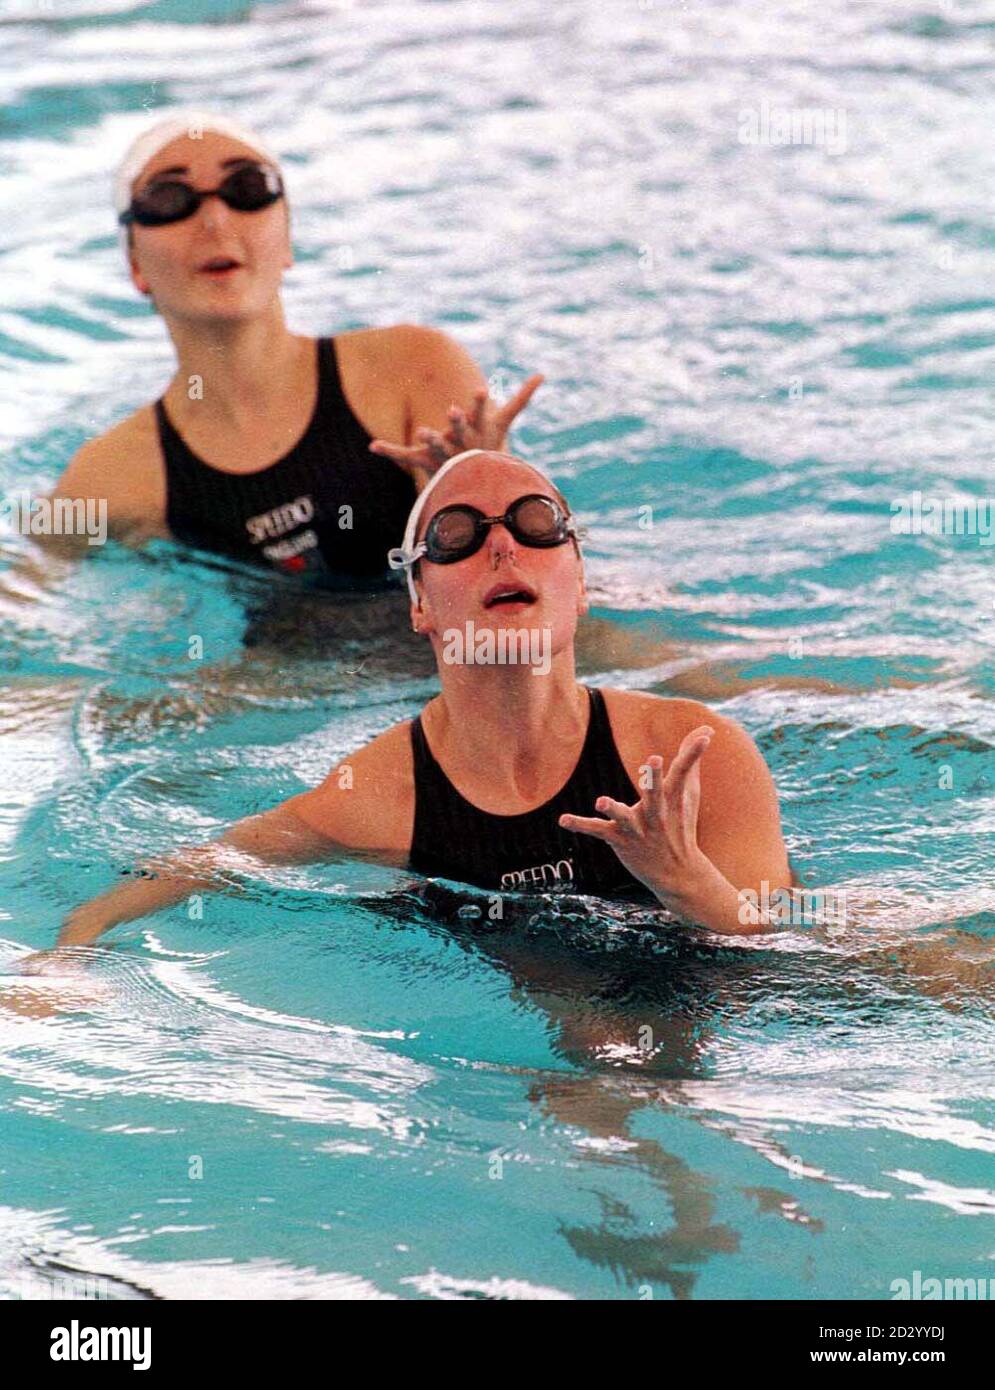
(551, 581)
(168, 262)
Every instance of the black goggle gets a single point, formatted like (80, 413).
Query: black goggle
(456, 532)
(249, 189)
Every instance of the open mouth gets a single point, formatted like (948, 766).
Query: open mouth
(507, 595)
(220, 265)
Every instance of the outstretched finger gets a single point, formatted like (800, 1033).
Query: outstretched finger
(479, 409)
(407, 455)
(653, 794)
(617, 811)
(589, 825)
(457, 427)
(691, 800)
(518, 402)
(690, 751)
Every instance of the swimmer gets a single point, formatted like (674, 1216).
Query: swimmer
(300, 454)
(508, 779)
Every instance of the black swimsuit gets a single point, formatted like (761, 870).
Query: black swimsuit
(328, 508)
(529, 852)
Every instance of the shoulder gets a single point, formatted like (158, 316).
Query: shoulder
(367, 799)
(136, 431)
(644, 724)
(394, 337)
(394, 378)
(123, 465)
(634, 713)
(412, 350)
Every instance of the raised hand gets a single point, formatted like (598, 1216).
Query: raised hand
(485, 427)
(657, 838)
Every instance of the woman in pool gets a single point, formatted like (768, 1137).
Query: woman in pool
(267, 445)
(497, 781)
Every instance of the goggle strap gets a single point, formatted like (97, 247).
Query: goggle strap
(401, 559)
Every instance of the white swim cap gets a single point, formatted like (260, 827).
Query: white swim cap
(406, 555)
(185, 121)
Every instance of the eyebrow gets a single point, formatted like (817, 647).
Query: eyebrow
(185, 168)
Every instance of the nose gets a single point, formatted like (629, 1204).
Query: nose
(500, 544)
(213, 213)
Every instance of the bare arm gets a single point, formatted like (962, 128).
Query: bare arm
(113, 486)
(739, 823)
(364, 806)
(59, 523)
(278, 836)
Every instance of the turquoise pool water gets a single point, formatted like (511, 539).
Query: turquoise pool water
(334, 1083)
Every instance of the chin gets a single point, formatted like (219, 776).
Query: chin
(235, 311)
